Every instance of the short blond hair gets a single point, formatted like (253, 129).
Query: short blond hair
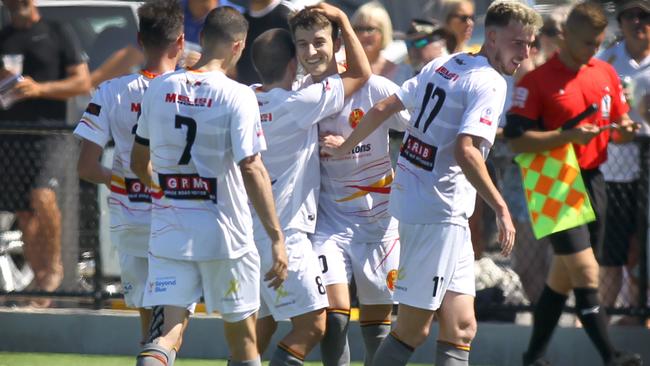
(501, 13)
(374, 11)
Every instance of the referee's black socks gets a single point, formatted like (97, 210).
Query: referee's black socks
(594, 320)
(547, 314)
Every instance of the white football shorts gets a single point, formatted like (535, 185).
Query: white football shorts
(374, 266)
(303, 291)
(435, 258)
(133, 273)
(229, 286)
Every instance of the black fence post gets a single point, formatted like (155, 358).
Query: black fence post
(644, 189)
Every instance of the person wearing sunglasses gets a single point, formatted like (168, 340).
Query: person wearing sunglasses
(427, 40)
(459, 19)
(622, 169)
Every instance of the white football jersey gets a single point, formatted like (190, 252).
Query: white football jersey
(289, 121)
(113, 114)
(199, 126)
(355, 188)
(457, 94)
(623, 162)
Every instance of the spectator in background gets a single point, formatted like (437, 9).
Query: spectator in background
(425, 41)
(459, 19)
(261, 15)
(374, 29)
(622, 168)
(549, 35)
(195, 13)
(54, 70)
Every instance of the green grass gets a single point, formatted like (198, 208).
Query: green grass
(62, 359)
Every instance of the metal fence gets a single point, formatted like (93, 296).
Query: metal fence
(58, 226)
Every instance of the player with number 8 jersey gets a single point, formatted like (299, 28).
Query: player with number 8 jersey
(455, 103)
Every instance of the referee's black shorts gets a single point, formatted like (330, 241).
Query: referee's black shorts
(582, 237)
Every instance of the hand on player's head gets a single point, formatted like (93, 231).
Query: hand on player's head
(332, 13)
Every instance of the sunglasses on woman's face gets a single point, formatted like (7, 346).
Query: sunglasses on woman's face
(464, 18)
(365, 29)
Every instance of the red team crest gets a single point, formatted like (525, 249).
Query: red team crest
(391, 278)
(355, 116)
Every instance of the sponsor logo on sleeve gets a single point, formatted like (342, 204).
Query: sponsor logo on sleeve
(486, 116)
(93, 109)
(266, 117)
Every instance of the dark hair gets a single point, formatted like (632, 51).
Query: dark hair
(160, 23)
(308, 19)
(224, 25)
(272, 51)
(589, 14)
(500, 13)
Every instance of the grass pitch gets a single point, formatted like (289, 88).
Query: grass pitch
(65, 359)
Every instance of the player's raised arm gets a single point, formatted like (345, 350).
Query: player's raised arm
(359, 70)
(258, 186)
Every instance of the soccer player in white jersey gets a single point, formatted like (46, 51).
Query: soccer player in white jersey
(112, 115)
(456, 103)
(355, 236)
(197, 144)
(289, 121)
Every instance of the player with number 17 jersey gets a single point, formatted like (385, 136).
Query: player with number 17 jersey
(202, 125)
(453, 95)
(458, 94)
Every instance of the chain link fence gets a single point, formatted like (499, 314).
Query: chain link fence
(54, 241)
(508, 286)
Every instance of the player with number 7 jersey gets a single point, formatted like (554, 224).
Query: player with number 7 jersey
(198, 143)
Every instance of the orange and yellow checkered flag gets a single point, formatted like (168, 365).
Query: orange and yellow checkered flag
(556, 195)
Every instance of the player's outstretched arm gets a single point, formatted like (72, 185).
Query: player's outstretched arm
(369, 123)
(89, 167)
(141, 163)
(359, 70)
(258, 186)
(471, 161)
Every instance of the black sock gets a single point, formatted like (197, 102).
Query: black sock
(547, 313)
(594, 320)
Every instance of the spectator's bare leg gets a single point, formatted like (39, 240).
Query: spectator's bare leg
(611, 281)
(531, 259)
(42, 237)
